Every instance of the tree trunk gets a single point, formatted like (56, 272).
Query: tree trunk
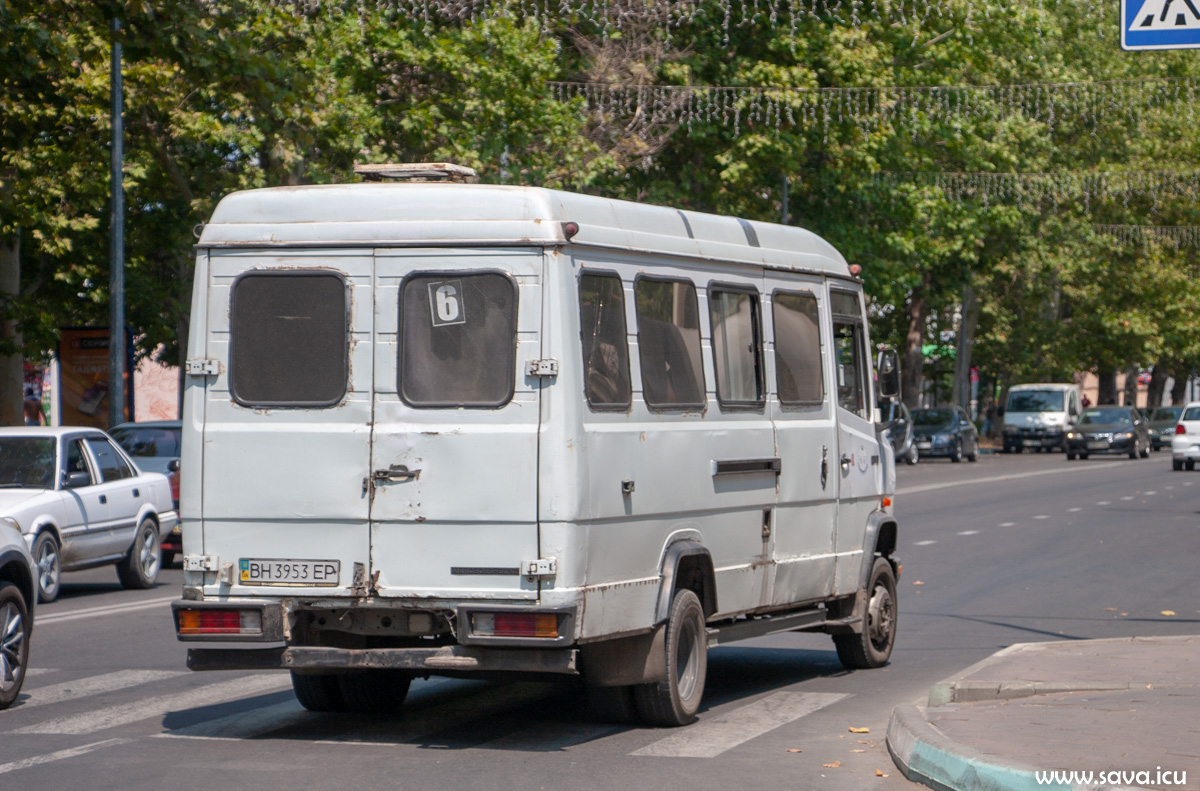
(1107, 391)
(12, 366)
(1158, 383)
(962, 353)
(1179, 387)
(1131, 386)
(914, 357)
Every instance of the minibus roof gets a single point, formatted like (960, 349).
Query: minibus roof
(449, 214)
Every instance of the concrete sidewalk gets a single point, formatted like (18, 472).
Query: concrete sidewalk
(1129, 705)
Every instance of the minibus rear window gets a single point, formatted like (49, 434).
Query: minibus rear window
(605, 348)
(458, 340)
(798, 364)
(289, 339)
(669, 344)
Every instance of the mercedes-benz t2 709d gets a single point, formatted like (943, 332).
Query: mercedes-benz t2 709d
(444, 428)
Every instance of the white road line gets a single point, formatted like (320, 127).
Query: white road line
(247, 724)
(1149, 494)
(997, 478)
(1073, 510)
(111, 717)
(39, 671)
(109, 609)
(25, 763)
(925, 543)
(1104, 502)
(95, 685)
(969, 533)
(551, 736)
(710, 738)
(1008, 524)
(1042, 516)
(1126, 498)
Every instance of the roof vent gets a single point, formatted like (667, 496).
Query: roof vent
(417, 171)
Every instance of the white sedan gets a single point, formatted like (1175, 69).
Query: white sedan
(81, 502)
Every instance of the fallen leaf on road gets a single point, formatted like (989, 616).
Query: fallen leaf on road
(1124, 613)
(1110, 609)
(860, 741)
(794, 750)
(858, 751)
(833, 765)
(880, 774)
(918, 582)
(860, 730)
(1168, 612)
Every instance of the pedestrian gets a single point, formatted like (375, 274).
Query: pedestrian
(989, 420)
(1087, 402)
(33, 412)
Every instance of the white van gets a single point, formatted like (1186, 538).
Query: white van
(1038, 416)
(443, 428)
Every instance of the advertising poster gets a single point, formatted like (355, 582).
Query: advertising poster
(83, 376)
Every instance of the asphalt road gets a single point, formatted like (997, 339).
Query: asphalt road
(1009, 549)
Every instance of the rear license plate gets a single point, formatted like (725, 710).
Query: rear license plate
(1098, 445)
(923, 446)
(307, 573)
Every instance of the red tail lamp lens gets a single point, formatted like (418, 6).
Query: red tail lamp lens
(516, 624)
(1180, 429)
(220, 622)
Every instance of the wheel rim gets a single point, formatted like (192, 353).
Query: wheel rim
(149, 553)
(12, 644)
(47, 563)
(881, 615)
(687, 661)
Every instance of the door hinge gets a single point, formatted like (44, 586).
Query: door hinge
(544, 367)
(542, 567)
(203, 367)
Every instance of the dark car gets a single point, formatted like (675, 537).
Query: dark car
(945, 431)
(900, 431)
(1162, 425)
(1109, 429)
(154, 446)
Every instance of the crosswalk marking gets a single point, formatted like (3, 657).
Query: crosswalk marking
(710, 738)
(25, 763)
(112, 716)
(94, 685)
(107, 609)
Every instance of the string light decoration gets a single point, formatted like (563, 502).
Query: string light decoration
(1089, 187)
(1176, 236)
(871, 109)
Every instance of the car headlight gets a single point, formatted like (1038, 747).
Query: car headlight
(1072, 435)
(14, 523)
(1123, 435)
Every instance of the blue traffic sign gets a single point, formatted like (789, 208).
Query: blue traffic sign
(1160, 24)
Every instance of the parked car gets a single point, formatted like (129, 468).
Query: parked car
(1185, 444)
(17, 597)
(1109, 429)
(900, 431)
(1162, 425)
(154, 447)
(80, 502)
(945, 431)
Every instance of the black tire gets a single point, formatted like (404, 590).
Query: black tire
(913, 456)
(168, 557)
(48, 556)
(318, 691)
(1176, 465)
(374, 691)
(957, 455)
(612, 704)
(1191, 465)
(1083, 456)
(873, 647)
(1008, 448)
(973, 456)
(675, 700)
(14, 642)
(1146, 452)
(1134, 453)
(140, 566)
(1070, 455)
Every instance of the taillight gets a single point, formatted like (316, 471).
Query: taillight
(515, 624)
(1180, 428)
(174, 480)
(220, 622)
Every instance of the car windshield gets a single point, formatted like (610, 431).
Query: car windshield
(1035, 401)
(932, 417)
(27, 462)
(148, 441)
(1102, 416)
(1165, 413)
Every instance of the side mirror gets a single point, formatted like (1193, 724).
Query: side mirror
(73, 480)
(887, 366)
(173, 465)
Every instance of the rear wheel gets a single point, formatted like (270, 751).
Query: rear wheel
(49, 566)
(14, 642)
(1146, 452)
(1176, 465)
(873, 647)
(1083, 456)
(377, 691)
(1070, 455)
(914, 455)
(139, 568)
(318, 691)
(676, 699)
(612, 704)
(1191, 465)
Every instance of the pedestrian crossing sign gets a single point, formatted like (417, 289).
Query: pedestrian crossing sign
(1160, 24)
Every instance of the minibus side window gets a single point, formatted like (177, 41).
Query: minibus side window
(735, 343)
(798, 365)
(850, 349)
(458, 340)
(289, 339)
(669, 344)
(605, 346)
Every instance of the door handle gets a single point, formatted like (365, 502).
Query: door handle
(136, 493)
(845, 463)
(396, 472)
(824, 465)
(103, 498)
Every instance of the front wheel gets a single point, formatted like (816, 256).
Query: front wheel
(139, 568)
(1146, 452)
(957, 455)
(1070, 455)
(676, 699)
(14, 642)
(1176, 465)
(49, 566)
(914, 455)
(873, 646)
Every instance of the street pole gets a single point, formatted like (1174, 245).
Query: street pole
(116, 274)
(785, 201)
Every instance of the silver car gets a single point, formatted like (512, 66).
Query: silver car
(17, 596)
(81, 502)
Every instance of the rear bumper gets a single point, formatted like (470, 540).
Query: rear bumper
(446, 659)
(1185, 451)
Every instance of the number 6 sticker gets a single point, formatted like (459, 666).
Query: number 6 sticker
(445, 302)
